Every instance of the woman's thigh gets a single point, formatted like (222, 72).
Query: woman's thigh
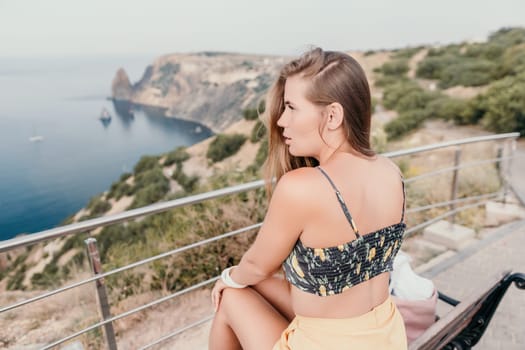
(276, 290)
(256, 323)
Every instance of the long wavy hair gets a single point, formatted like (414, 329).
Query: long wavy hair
(334, 77)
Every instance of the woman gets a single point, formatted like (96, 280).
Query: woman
(334, 223)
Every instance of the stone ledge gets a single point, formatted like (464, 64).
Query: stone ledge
(497, 213)
(452, 236)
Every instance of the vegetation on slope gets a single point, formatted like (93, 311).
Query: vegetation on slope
(498, 64)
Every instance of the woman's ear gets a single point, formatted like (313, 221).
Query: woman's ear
(335, 116)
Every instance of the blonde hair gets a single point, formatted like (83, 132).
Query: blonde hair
(335, 77)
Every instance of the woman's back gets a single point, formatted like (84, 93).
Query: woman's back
(373, 193)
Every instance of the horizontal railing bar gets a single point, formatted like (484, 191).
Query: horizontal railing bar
(125, 216)
(131, 312)
(442, 216)
(163, 206)
(411, 151)
(130, 266)
(177, 332)
(445, 203)
(461, 166)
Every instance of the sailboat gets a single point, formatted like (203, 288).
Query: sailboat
(35, 137)
(104, 115)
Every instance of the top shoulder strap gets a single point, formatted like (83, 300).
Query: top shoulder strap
(341, 202)
(404, 190)
(404, 199)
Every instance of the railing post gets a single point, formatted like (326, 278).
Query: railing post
(455, 183)
(504, 167)
(508, 168)
(94, 259)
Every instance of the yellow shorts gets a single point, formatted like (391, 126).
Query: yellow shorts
(380, 328)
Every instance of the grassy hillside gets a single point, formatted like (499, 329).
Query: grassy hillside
(497, 65)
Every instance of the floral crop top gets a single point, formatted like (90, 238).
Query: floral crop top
(332, 270)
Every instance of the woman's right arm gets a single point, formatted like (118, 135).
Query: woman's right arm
(284, 222)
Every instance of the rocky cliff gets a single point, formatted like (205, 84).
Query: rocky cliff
(210, 88)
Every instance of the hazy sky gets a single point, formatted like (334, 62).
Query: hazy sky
(56, 27)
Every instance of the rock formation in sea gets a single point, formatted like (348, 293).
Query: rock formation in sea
(121, 88)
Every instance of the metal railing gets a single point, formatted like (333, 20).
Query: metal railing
(506, 152)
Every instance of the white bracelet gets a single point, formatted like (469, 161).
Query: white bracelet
(227, 279)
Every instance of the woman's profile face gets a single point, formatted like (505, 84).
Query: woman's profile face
(300, 120)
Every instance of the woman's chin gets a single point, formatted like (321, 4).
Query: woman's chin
(296, 153)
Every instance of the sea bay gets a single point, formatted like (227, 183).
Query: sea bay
(60, 100)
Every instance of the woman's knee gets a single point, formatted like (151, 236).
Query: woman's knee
(230, 298)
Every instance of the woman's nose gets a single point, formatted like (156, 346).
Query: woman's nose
(281, 120)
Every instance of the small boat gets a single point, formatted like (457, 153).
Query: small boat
(36, 138)
(104, 115)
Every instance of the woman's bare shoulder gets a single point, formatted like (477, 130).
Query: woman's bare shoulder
(389, 163)
(298, 182)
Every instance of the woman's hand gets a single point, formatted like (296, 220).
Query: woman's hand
(216, 294)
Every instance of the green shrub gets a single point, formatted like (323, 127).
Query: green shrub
(473, 72)
(179, 155)
(15, 281)
(432, 66)
(406, 122)
(146, 163)
(397, 67)
(97, 206)
(262, 153)
(150, 187)
(414, 99)
(253, 113)
(488, 51)
(225, 145)
(188, 183)
(153, 175)
(120, 189)
(473, 112)
(258, 132)
(458, 70)
(125, 176)
(126, 284)
(508, 36)
(406, 52)
(513, 61)
(112, 236)
(504, 105)
(446, 108)
(386, 80)
(394, 92)
(250, 114)
(100, 207)
(452, 49)
(149, 194)
(262, 106)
